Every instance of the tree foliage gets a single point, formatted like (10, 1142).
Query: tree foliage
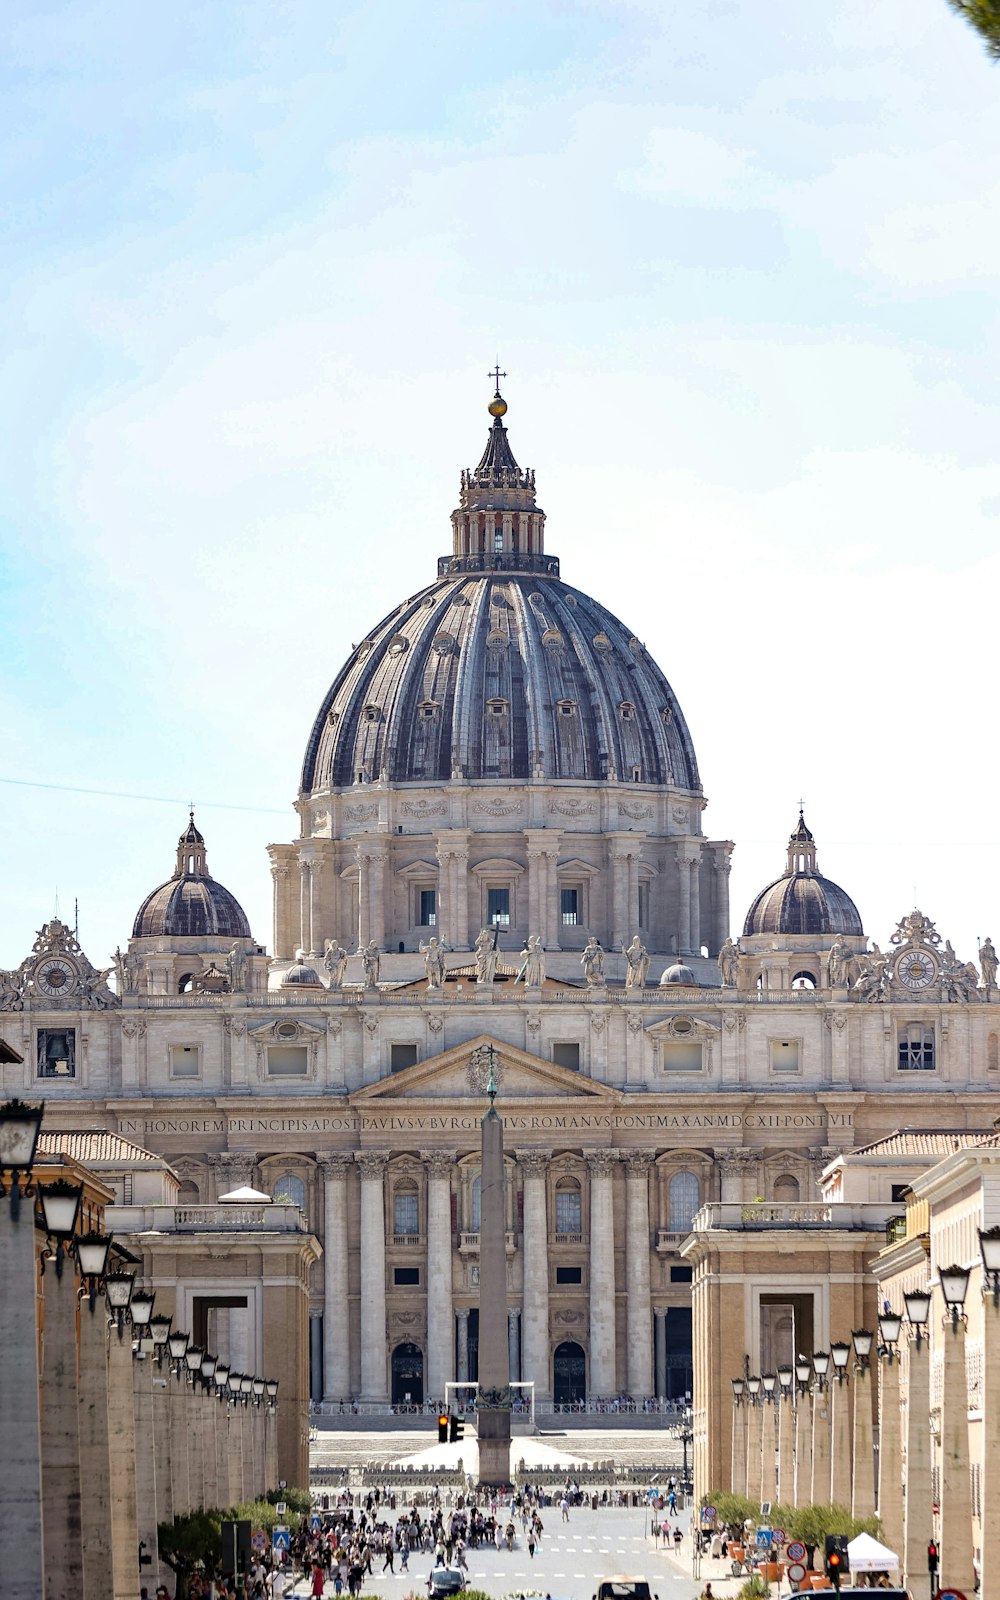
(732, 1510)
(195, 1537)
(984, 16)
(299, 1500)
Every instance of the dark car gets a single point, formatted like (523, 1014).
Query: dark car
(446, 1580)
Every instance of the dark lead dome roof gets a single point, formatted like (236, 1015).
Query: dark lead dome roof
(191, 904)
(499, 670)
(802, 900)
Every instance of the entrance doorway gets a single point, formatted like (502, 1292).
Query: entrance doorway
(569, 1374)
(407, 1375)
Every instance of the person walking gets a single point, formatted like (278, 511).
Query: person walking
(564, 1508)
(531, 1544)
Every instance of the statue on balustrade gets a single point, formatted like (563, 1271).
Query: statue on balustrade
(433, 954)
(729, 964)
(531, 972)
(592, 962)
(335, 962)
(637, 957)
(487, 955)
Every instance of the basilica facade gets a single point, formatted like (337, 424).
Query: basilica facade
(500, 856)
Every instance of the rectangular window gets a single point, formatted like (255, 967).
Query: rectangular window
(568, 1218)
(566, 1055)
(427, 908)
(498, 908)
(784, 1055)
(682, 1055)
(680, 1274)
(569, 907)
(916, 1048)
(405, 1277)
(569, 1274)
(898, 1192)
(405, 1215)
(402, 1055)
(644, 905)
(184, 1061)
(57, 1052)
(288, 1061)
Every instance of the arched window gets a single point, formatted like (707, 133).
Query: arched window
(569, 1217)
(289, 1187)
(685, 1197)
(406, 1211)
(786, 1188)
(804, 980)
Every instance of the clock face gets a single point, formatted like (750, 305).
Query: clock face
(916, 969)
(55, 977)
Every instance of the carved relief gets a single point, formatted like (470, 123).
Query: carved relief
(423, 808)
(360, 813)
(634, 810)
(497, 808)
(574, 808)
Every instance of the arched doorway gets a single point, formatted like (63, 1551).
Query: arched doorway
(569, 1374)
(407, 1376)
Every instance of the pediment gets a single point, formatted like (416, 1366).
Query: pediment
(524, 1077)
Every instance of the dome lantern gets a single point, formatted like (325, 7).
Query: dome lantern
(497, 526)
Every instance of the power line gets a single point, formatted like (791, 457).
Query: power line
(152, 799)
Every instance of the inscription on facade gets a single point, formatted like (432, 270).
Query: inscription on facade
(459, 1122)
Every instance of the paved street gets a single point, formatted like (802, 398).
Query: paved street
(567, 1561)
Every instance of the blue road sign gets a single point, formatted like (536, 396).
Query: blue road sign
(763, 1538)
(281, 1539)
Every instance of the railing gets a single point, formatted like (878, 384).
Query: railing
(470, 993)
(567, 1238)
(766, 1214)
(670, 1238)
(468, 1243)
(271, 1217)
(406, 1239)
(499, 561)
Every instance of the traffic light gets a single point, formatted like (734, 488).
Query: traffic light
(932, 1556)
(836, 1557)
(443, 1427)
(456, 1429)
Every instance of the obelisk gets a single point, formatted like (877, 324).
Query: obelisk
(493, 1397)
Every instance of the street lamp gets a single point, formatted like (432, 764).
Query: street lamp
(92, 1251)
(141, 1311)
(246, 1387)
(989, 1245)
(753, 1389)
(61, 1202)
(272, 1390)
(192, 1356)
(221, 1379)
(258, 1390)
(118, 1288)
(803, 1372)
(739, 1388)
(889, 1325)
(159, 1332)
(768, 1382)
(785, 1380)
(863, 1340)
(177, 1343)
(918, 1309)
(841, 1354)
(208, 1366)
(20, 1125)
(954, 1283)
(821, 1366)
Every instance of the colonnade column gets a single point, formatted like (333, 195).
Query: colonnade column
(535, 1250)
(95, 1465)
(514, 1343)
(720, 909)
(660, 1323)
(603, 1378)
(440, 1317)
(282, 932)
(373, 1324)
(305, 902)
(335, 1166)
(60, 1418)
(890, 1456)
(638, 1306)
(695, 870)
(956, 1493)
(453, 895)
(371, 859)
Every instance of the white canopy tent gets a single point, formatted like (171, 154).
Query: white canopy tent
(865, 1554)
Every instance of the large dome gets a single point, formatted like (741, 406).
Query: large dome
(802, 901)
(499, 670)
(191, 904)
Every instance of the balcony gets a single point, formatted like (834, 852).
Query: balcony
(567, 1238)
(416, 1240)
(763, 1216)
(468, 1244)
(668, 1240)
(272, 1217)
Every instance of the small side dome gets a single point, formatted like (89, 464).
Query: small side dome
(191, 904)
(300, 975)
(678, 973)
(802, 901)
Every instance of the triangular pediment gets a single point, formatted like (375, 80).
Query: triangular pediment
(522, 1077)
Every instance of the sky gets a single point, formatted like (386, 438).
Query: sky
(739, 261)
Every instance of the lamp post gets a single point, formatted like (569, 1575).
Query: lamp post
(738, 1475)
(820, 1429)
(21, 1522)
(786, 1486)
(918, 1524)
(803, 1431)
(177, 1343)
(92, 1251)
(147, 1487)
(755, 1422)
(195, 1451)
(271, 1434)
(768, 1476)
(840, 1425)
(956, 1495)
(989, 1246)
(863, 1477)
(119, 1287)
(60, 1397)
(890, 1453)
(159, 1333)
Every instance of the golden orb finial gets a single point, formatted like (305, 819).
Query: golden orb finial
(498, 405)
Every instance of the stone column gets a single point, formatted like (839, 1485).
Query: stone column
(535, 1361)
(335, 1165)
(440, 1315)
(661, 1354)
(373, 1325)
(956, 1494)
(989, 1521)
(121, 1447)
(453, 898)
(196, 1454)
(95, 1462)
(890, 1457)
(820, 1493)
(741, 1453)
(803, 1448)
(720, 920)
(364, 896)
(768, 1478)
(638, 1307)
(603, 1364)
(282, 931)
(755, 1422)
(618, 909)
(514, 1344)
(21, 1522)
(786, 1457)
(543, 909)
(840, 1442)
(61, 1433)
(863, 1478)
(179, 1478)
(463, 1344)
(146, 1487)
(305, 903)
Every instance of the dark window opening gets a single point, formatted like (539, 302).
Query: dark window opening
(566, 1055)
(680, 1274)
(402, 1055)
(569, 1274)
(57, 1052)
(404, 1277)
(569, 907)
(498, 908)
